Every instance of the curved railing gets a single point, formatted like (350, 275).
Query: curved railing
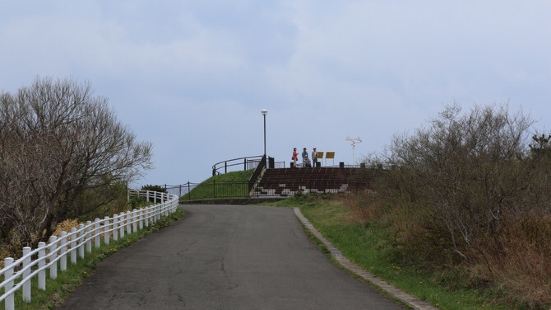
(247, 163)
(18, 274)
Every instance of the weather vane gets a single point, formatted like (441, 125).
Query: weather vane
(353, 142)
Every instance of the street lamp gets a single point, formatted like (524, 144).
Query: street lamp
(264, 112)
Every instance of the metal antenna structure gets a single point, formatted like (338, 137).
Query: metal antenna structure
(353, 142)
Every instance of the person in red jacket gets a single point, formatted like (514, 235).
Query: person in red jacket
(295, 157)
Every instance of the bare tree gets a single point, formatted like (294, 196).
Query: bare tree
(57, 140)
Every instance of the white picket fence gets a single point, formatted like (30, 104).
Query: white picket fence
(59, 251)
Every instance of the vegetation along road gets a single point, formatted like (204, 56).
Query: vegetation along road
(225, 257)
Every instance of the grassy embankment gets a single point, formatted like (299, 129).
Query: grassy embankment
(371, 247)
(67, 281)
(229, 185)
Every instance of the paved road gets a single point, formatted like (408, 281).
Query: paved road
(225, 257)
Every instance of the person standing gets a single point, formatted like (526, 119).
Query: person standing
(294, 158)
(314, 158)
(305, 160)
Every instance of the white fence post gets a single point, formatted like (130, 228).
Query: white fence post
(27, 284)
(9, 301)
(81, 240)
(128, 223)
(63, 249)
(155, 197)
(74, 237)
(134, 220)
(106, 232)
(121, 225)
(41, 263)
(147, 196)
(97, 240)
(52, 251)
(115, 227)
(146, 215)
(140, 219)
(88, 236)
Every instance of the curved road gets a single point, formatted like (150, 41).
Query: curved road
(225, 257)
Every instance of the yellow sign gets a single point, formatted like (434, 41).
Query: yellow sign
(330, 155)
(319, 154)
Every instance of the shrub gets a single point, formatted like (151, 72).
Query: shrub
(155, 188)
(469, 190)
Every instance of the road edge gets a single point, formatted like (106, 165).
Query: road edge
(394, 292)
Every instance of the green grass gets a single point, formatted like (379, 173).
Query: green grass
(231, 184)
(58, 290)
(370, 248)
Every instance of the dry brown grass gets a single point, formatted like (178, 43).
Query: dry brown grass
(66, 225)
(518, 258)
(362, 206)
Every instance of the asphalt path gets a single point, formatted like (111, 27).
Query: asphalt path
(225, 257)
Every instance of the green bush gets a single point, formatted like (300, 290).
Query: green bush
(155, 188)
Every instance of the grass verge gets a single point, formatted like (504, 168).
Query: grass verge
(370, 248)
(58, 290)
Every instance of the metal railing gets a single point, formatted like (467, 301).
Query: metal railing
(246, 163)
(71, 246)
(231, 189)
(212, 189)
(257, 173)
(180, 189)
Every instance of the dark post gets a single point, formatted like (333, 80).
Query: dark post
(264, 135)
(244, 164)
(264, 112)
(225, 167)
(188, 191)
(180, 190)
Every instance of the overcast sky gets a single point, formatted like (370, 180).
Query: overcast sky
(192, 76)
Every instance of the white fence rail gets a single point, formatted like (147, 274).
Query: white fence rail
(73, 245)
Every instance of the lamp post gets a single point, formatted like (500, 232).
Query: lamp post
(264, 112)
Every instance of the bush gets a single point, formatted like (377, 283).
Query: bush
(469, 190)
(155, 188)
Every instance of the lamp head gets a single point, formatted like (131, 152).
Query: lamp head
(264, 111)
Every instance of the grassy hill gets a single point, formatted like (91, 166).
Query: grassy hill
(229, 185)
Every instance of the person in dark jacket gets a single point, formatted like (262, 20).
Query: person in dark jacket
(305, 159)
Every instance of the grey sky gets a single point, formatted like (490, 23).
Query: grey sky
(192, 76)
